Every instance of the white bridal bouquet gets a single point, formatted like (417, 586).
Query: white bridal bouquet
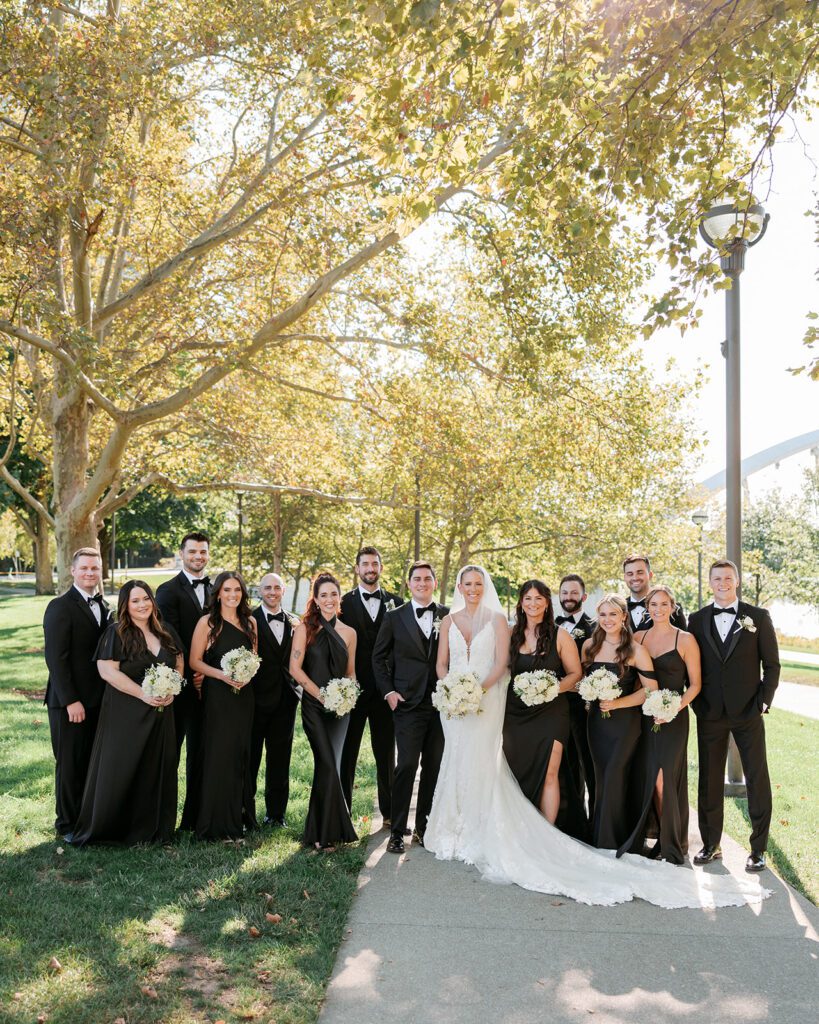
(601, 684)
(661, 704)
(162, 681)
(241, 664)
(340, 696)
(458, 694)
(538, 687)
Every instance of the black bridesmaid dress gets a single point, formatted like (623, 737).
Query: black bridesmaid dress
(666, 751)
(613, 742)
(221, 812)
(328, 816)
(529, 733)
(130, 790)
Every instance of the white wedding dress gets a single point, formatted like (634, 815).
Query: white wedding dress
(480, 816)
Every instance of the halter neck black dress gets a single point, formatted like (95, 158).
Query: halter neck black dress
(130, 789)
(666, 751)
(328, 816)
(222, 811)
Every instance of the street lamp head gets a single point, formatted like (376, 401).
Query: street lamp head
(699, 518)
(729, 226)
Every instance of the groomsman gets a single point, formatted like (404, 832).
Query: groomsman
(740, 673)
(364, 609)
(638, 576)
(73, 625)
(274, 717)
(579, 767)
(182, 601)
(404, 657)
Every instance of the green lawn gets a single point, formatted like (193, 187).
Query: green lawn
(153, 934)
(806, 674)
(798, 643)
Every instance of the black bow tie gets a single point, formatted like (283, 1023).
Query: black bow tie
(204, 582)
(374, 596)
(277, 617)
(725, 611)
(636, 604)
(97, 598)
(422, 611)
(564, 618)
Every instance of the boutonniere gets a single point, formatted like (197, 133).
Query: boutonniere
(390, 605)
(577, 633)
(746, 622)
(436, 627)
(293, 621)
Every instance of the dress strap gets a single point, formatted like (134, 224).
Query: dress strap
(676, 638)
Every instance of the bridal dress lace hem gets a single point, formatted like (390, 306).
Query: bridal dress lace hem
(481, 816)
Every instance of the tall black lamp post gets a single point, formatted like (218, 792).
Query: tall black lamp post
(699, 519)
(239, 496)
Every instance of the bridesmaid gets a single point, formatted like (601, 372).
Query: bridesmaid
(534, 738)
(130, 791)
(324, 649)
(218, 810)
(664, 754)
(613, 741)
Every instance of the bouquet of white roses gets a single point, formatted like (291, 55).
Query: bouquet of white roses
(458, 694)
(340, 696)
(661, 704)
(601, 684)
(162, 681)
(538, 687)
(241, 664)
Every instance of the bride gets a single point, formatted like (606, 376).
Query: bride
(480, 815)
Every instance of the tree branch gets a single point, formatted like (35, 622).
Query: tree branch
(26, 495)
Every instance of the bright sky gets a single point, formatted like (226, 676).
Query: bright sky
(778, 288)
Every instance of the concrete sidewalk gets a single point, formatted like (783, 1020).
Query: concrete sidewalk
(797, 698)
(430, 942)
(799, 657)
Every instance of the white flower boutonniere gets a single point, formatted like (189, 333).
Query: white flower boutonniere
(436, 627)
(390, 605)
(293, 621)
(746, 622)
(577, 634)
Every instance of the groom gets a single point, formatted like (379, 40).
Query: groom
(404, 657)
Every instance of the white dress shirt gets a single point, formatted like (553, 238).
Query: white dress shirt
(638, 614)
(199, 591)
(425, 620)
(571, 622)
(373, 605)
(276, 626)
(724, 623)
(95, 606)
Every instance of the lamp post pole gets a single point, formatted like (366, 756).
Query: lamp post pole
(239, 496)
(699, 519)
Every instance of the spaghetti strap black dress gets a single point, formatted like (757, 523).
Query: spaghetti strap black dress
(227, 719)
(328, 816)
(613, 742)
(130, 789)
(665, 751)
(530, 733)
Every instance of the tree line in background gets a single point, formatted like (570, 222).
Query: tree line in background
(205, 283)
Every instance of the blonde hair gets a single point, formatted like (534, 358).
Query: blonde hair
(661, 588)
(85, 553)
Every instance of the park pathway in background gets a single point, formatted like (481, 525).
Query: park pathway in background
(429, 942)
(798, 699)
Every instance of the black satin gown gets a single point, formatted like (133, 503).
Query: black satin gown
(222, 784)
(666, 751)
(613, 743)
(328, 816)
(130, 789)
(529, 733)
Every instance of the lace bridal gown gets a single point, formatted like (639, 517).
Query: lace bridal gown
(480, 816)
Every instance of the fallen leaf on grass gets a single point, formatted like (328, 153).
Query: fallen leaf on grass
(253, 932)
(18, 995)
(55, 965)
(119, 1020)
(59, 851)
(264, 977)
(293, 921)
(784, 821)
(268, 898)
(149, 991)
(306, 894)
(274, 918)
(41, 1018)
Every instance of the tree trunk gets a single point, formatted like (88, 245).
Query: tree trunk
(278, 533)
(43, 577)
(445, 568)
(70, 422)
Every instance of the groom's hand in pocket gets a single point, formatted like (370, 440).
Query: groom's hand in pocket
(394, 698)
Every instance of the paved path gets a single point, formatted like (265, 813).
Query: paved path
(799, 657)
(798, 698)
(431, 943)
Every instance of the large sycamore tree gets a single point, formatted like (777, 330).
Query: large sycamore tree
(193, 191)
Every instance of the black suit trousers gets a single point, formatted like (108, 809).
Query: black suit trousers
(419, 737)
(273, 733)
(372, 708)
(712, 746)
(188, 720)
(72, 744)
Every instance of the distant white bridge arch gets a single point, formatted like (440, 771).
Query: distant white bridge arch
(768, 457)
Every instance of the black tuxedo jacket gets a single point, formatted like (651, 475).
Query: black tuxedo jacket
(403, 659)
(71, 638)
(272, 684)
(739, 679)
(354, 614)
(180, 608)
(586, 624)
(677, 619)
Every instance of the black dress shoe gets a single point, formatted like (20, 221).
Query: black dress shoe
(755, 862)
(418, 838)
(69, 838)
(396, 844)
(274, 822)
(707, 854)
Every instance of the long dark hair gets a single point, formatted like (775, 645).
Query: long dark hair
(213, 609)
(312, 618)
(544, 631)
(623, 649)
(132, 637)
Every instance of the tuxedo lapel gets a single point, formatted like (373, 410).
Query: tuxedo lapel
(408, 617)
(736, 632)
(187, 588)
(86, 608)
(709, 628)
